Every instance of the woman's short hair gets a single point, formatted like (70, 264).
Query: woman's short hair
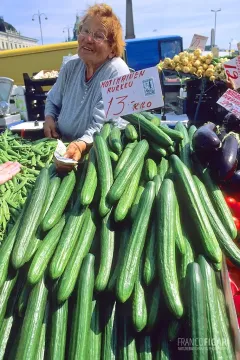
(112, 23)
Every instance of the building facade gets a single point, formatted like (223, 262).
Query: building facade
(11, 39)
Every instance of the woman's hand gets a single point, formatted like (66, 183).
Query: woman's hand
(49, 127)
(8, 170)
(74, 151)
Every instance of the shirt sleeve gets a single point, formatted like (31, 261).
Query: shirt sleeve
(55, 95)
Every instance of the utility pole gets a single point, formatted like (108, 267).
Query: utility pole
(129, 21)
(40, 22)
(215, 24)
(68, 28)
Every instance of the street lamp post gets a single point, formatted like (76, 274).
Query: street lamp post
(39, 21)
(68, 28)
(215, 24)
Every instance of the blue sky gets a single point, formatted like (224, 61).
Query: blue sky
(158, 17)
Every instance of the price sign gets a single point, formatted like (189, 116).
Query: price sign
(231, 102)
(134, 92)
(232, 70)
(198, 42)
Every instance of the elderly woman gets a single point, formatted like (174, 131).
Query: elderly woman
(74, 106)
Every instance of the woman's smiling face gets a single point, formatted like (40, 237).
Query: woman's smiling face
(93, 46)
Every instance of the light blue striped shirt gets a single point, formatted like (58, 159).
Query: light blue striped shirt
(76, 104)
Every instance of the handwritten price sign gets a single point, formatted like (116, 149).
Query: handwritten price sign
(232, 70)
(134, 92)
(231, 102)
(198, 42)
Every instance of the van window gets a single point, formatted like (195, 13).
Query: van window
(170, 48)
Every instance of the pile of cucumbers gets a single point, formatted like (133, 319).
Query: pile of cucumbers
(121, 258)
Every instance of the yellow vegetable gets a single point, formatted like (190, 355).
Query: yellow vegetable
(186, 69)
(212, 78)
(205, 66)
(199, 73)
(208, 61)
(209, 72)
(197, 52)
(210, 56)
(184, 60)
(178, 68)
(197, 63)
(193, 70)
(176, 58)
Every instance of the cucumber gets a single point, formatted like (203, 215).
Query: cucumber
(23, 300)
(60, 201)
(184, 146)
(229, 248)
(123, 158)
(219, 203)
(157, 150)
(82, 315)
(30, 221)
(107, 243)
(163, 352)
(145, 348)
(191, 132)
(95, 333)
(69, 278)
(127, 343)
(149, 116)
(41, 351)
(5, 330)
(133, 162)
(149, 268)
(163, 168)
(213, 323)
(115, 141)
(186, 259)
(54, 185)
(45, 252)
(154, 307)
(109, 335)
(33, 246)
(105, 131)
(173, 329)
(150, 169)
(124, 236)
(58, 331)
(126, 200)
(156, 121)
(152, 131)
(128, 273)
(32, 323)
(90, 183)
(113, 157)
(196, 210)
(196, 307)
(5, 292)
(135, 203)
(166, 237)
(139, 305)
(174, 134)
(131, 132)
(105, 174)
(158, 182)
(179, 235)
(67, 241)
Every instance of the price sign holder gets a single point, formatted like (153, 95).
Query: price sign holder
(232, 70)
(198, 42)
(231, 102)
(132, 93)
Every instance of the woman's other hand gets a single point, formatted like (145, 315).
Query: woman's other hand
(49, 127)
(74, 151)
(8, 170)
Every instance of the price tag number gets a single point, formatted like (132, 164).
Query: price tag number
(121, 103)
(231, 72)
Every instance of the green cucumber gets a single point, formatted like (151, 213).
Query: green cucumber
(127, 198)
(163, 168)
(95, 333)
(184, 146)
(31, 219)
(127, 343)
(82, 315)
(133, 162)
(175, 135)
(105, 174)
(107, 244)
(173, 329)
(60, 201)
(67, 241)
(156, 149)
(229, 248)
(5, 330)
(33, 246)
(186, 259)
(139, 305)
(158, 182)
(150, 169)
(109, 335)
(149, 116)
(154, 307)
(152, 131)
(196, 210)
(105, 131)
(115, 141)
(166, 237)
(191, 132)
(213, 323)
(123, 158)
(163, 351)
(150, 261)
(90, 183)
(128, 273)
(58, 335)
(45, 252)
(113, 156)
(179, 235)
(23, 299)
(131, 132)
(42, 350)
(156, 121)
(219, 203)
(145, 348)
(54, 185)
(135, 204)
(5, 292)
(196, 307)
(32, 323)
(69, 278)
